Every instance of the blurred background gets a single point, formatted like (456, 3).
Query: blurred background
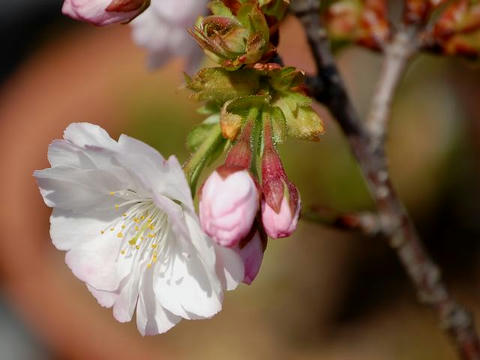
(322, 294)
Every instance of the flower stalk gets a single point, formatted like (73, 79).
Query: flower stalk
(194, 166)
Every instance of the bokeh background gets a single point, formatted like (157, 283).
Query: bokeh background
(322, 294)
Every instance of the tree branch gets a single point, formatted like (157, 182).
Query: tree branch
(367, 144)
(365, 222)
(397, 54)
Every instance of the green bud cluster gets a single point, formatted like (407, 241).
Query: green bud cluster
(233, 40)
(246, 87)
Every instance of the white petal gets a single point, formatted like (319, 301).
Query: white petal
(98, 262)
(71, 188)
(86, 134)
(185, 287)
(70, 228)
(182, 12)
(104, 298)
(230, 269)
(128, 295)
(203, 244)
(153, 172)
(129, 145)
(152, 318)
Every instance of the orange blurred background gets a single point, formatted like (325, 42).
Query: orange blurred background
(322, 294)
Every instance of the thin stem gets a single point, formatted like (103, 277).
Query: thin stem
(367, 144)
(199, 159)
(397, 55)
(365, 222)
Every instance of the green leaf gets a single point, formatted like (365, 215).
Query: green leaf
(219, 85)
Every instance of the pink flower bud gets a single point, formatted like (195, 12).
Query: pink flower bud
(229, 202)
(281, 201)
(251, 251)
(104, 12)
(282, 223)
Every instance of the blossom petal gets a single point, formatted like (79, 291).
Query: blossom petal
(128, 295)
(152, 318)
(86, 134)
(70, 228)
(71, 188)
(184, 286)
(229, 267)
(156, 174)
(104, 298)
(98, 262)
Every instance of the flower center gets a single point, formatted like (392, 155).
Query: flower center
(142, 228)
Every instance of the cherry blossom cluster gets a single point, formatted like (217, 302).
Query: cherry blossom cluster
(125, 215)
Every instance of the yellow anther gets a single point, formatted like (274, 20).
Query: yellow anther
(137, 247)
(102, 232)
(122, 252)
(111, 229)
(123, 226)
(136, 220)
(119, 235)
(154, 246)
(117, 206)
(124, 215)
(149, 265)
(151, 227)
(132, 242)
(137, 228)
(151, 235)
(112, 193)
(142, 217)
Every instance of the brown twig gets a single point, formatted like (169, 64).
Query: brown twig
(367, 144)
(367, 223)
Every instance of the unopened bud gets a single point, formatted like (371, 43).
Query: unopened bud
(104, 12)
(281, 200)
(229, 202)
(229, 41)
(229, 199)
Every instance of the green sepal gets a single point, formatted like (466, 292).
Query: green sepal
(285, 78)
(200, 133)
(209, 108)
(235, 112)
(279, 123)
(275, 8)
(217, 7)
(301, 120)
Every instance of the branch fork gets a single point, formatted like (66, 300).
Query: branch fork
(367, 141)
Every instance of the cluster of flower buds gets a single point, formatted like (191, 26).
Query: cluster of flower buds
(238, 32)
(104, 12)
(457, 31)
(364, 22)
(419, 11)
(236, 212)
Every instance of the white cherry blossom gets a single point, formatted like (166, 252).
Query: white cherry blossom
(162, 30)
(126, 219)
